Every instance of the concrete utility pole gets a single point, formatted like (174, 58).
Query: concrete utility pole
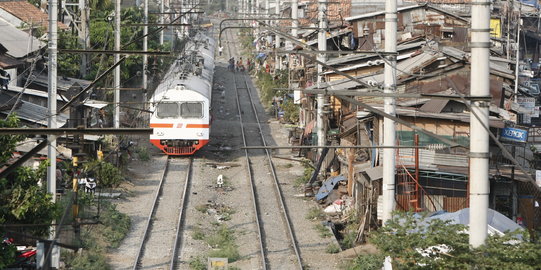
(51, 145)
(117, 69)
(295, 18)
(517, 60)
(162, 20)
(53, 59)
(389, 133)
(84, 34)
(145, 48)
(278, 63)
(479, 146)
(321, 99)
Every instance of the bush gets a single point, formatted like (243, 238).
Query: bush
(117, 225)
(333, 248)
(198, 263)
(107, 175)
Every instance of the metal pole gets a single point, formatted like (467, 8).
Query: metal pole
(321, 99)
(517, 60)
(162, 20)
(116, 120)
(479, 146)
(278, 64)
(145, 49)
(52, 81)
(389, 135)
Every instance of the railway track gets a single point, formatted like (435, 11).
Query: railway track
(277, 241)
(161, 240)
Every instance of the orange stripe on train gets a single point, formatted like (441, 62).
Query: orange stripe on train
(197, 126)
(159, 125)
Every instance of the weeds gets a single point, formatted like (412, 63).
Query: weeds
(142, 152)
(323, 231)
(332, 248)
(198, 234)
(197, 263)
(314, 213)
(202, 208)
(223, 242)
(308, 171)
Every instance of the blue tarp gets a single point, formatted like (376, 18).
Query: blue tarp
(328, 186)
(260, 55)
(530, 2)
(495, 219)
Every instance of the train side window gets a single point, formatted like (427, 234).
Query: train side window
(167, 110)
(191, 110)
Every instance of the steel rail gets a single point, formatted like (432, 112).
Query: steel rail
(250, 177)
(273, 171)
(181, 221)
(149, 219)
(276, 182)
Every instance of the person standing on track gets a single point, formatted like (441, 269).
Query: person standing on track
(220, 49)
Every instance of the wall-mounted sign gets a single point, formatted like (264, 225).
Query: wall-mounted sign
(514, 134)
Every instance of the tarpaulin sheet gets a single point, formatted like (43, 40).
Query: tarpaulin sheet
(328, 186)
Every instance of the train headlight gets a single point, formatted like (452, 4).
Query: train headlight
(200, 134)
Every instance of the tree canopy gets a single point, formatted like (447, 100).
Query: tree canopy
(415, 243)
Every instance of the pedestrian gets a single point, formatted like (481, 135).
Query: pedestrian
(220, 49)
(4, 79)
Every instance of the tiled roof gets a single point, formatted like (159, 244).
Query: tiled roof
(28, 13)
(336, 11)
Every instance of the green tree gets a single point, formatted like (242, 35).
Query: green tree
(107, 175)
(415, 243)
(22, 199)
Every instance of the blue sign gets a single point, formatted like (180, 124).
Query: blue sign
(514, 134)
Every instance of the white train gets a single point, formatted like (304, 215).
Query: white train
(181, 103)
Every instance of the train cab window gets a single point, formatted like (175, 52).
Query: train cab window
(191, 110)
(167, 110)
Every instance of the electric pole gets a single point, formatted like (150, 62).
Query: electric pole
(84, 34)
(389, 133)
(278, 64)
(321, 99)
(117, 69)
(51, 145)
(145, 49)
(479, 146)
(162, 21)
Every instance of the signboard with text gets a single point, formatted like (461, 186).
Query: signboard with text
(514, 134)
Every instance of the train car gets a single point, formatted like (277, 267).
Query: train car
(181, 103)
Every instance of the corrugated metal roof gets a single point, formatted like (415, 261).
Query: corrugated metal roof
(18, 42)
(28, 111)
(357, 57)
(63, 83)
(434, 105)
(7, 62)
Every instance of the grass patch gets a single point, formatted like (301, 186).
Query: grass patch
(323, 231)
(97, 239)
(142, 153)
(302, 180)
(202, 208)
(288, 165)
(332, 248)
(223, 242)
(314, 213)
(198, 233)
(197, 263)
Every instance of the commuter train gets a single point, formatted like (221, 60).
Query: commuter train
(181, 103)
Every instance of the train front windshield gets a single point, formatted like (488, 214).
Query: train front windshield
(168, 110)
(191, 110)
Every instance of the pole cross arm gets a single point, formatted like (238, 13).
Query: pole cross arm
(74, 131)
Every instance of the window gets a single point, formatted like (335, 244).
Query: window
(167, 110)
(191, 110)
